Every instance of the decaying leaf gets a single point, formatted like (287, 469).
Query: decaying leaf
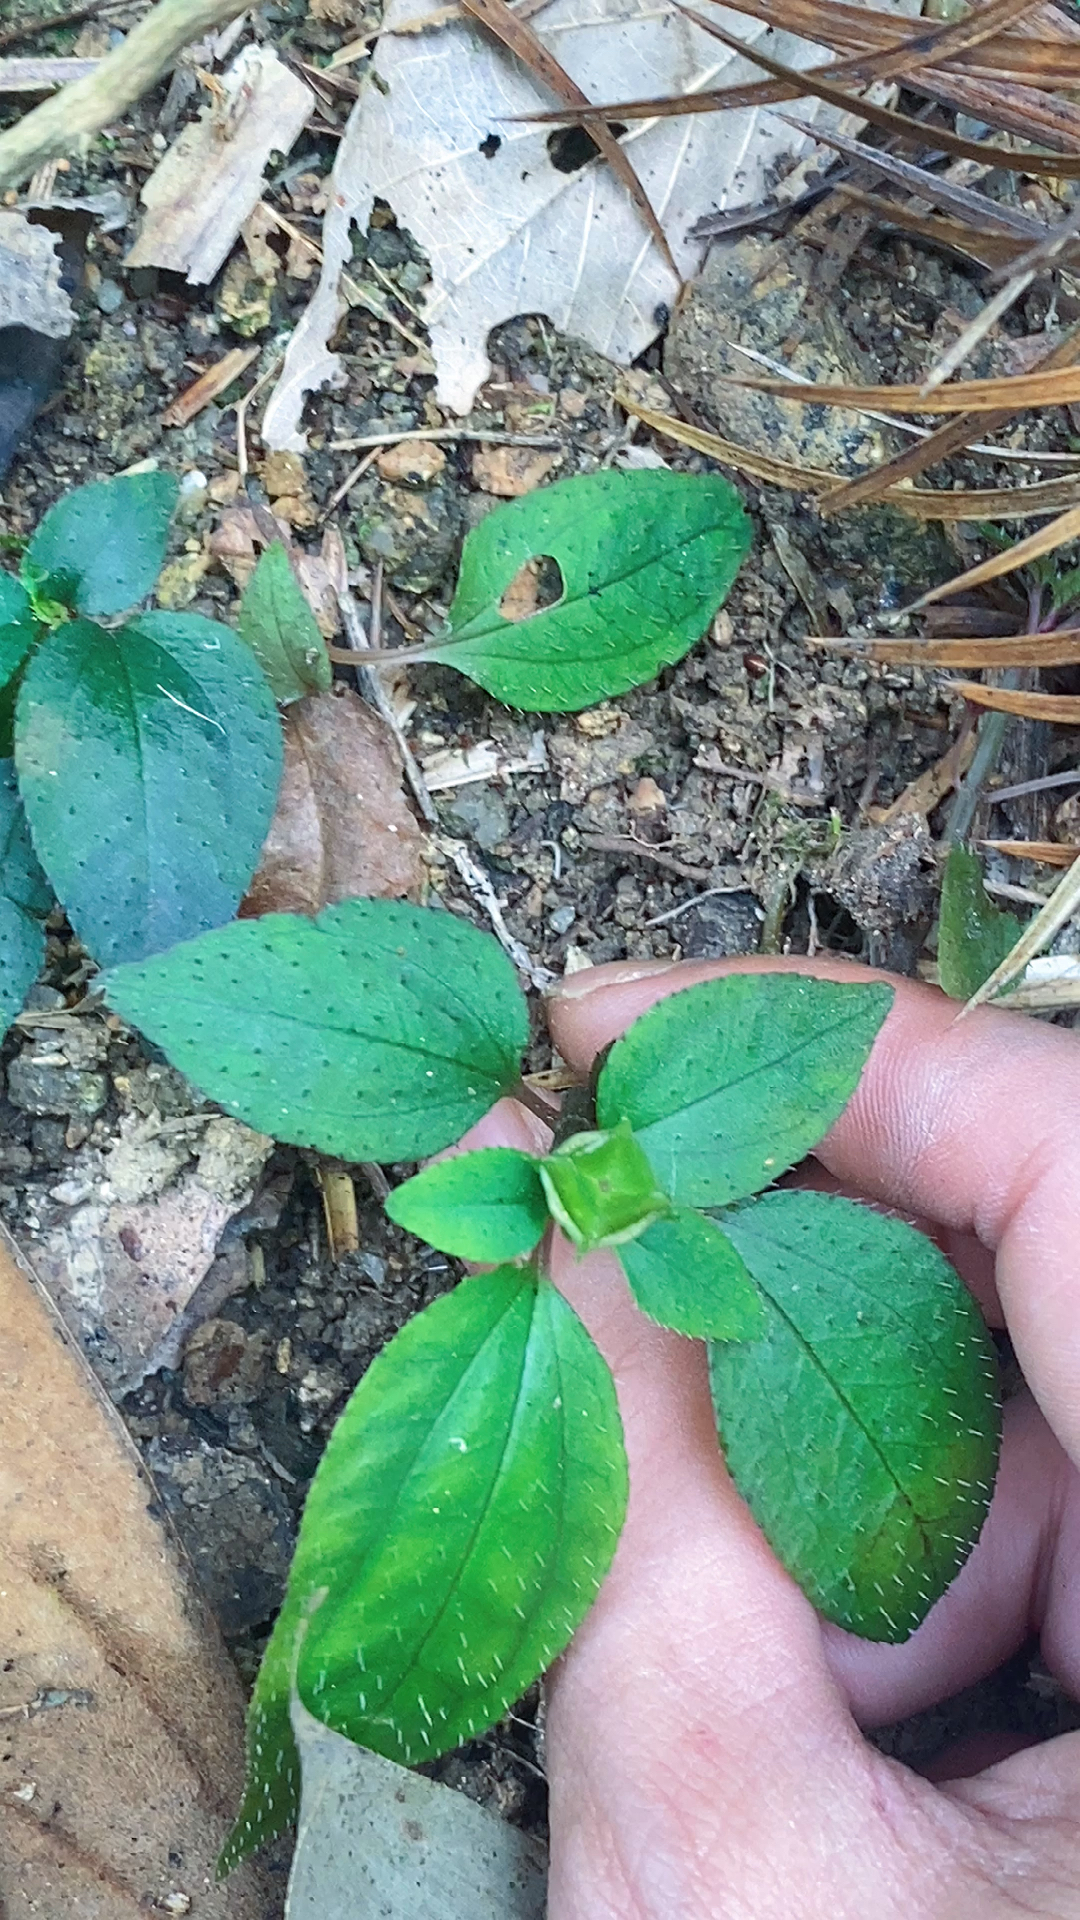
(30, 291)
(516, 218)
(342, 827)
(121, 1717)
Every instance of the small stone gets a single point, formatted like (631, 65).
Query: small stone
(179, 582)
(109, 296)
(647, 803)
(43, 1085)
(222, 1362)
(416, 532)
(562, 919)
(283, 473)
(509, 472)
(481, 813)
(414, 462)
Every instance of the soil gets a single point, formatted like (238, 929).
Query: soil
(725, 808)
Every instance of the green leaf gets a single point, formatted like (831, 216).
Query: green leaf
(488, 1205)
(281, 630)
(974, 936)
(378, 1031)
(101, 547)
(25, 899)
(459, 1526)
(862, 1431)
(149, 760)
(601, 1189)
(646, 558)
(18, 628)
(685, 1273)
(728, 1083)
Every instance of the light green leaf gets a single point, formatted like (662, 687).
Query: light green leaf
(102, 546)
(457, 1531)
(281, 630)
(487, 1205)
(25, 899)
(601, 1188)
(18, 628)
(378, 1031)
(728, 1083)
(974, 936)
(685, 1273)
(149, 760)
(646, 559)
(862, 1431)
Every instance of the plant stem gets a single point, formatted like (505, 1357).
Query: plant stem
(528, 1097)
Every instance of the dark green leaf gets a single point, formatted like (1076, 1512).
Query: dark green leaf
(25, 899)
(685, 1273)
(863, 1429)
(601, 1188)
(101, 547)
(459, 1525)
(378, 1031)
(487, 1205)
(728, 1083)
(149, 760)
(282, 631)
(645, 557)
(17, 627)
(973, 935)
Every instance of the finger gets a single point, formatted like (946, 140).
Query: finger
(973, 1122)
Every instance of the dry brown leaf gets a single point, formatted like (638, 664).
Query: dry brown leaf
(1046, 540)
(1058, 649)
(121, 1717)
(509, 472)
(1051, 853)
(928, 791)
(342, 827)
(1060, 708)
(208, 386)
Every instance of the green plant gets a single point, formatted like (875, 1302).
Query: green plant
(974, 936)
(472, 1493)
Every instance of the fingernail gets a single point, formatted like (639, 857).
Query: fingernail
(577, 986)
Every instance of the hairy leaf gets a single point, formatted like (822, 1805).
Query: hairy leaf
(17, 626)
(728, 1083)
(102, 546)
(25, 899)
(456, 1533)
(377, 1032)
(645, 558)
(974, 936)
(685, 1273)
(281, 630)
(863, 1429)
(487, 1205)
(148, 761)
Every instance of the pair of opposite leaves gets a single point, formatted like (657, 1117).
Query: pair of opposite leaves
(472, 1493)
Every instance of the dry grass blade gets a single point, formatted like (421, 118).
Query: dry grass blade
(520, 39)
(1060, 649)
(1063, 903)
(1061, 709)
(924, 503)
(991, 250)
(1050, 853)
(1016, 391)
(1046, 540)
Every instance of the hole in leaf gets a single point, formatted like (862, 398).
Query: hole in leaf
(489, 145)
(537, 585)
(571, 148)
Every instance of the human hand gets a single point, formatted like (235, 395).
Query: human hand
(704, 1748)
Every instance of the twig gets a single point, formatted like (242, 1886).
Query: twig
(370, 685)
(625, 843)
(998, 794)
(241, 410)
(350, 481)
(685, 906)
(61, 125)
(484, 894)
(489, 437)
(992, 730)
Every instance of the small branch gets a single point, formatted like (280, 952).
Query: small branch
(61, 125)
(369, 684)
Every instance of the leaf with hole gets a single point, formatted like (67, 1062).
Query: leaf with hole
(862, 1430)
(728, 1083)
(457, 1530)
(101, 548)
(281, 630)
(645, 559)
(378, 1031)
(974, 936)
(487, 1205)
(148, 761)
(25, 899)
(684, 1272)
(18, 628)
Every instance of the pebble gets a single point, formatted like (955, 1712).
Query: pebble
(47, 1086)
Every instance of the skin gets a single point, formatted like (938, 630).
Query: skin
(704, 1734)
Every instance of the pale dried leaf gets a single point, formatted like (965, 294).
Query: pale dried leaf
(342, 827)
(30, 291)
(121, 1716)
(510, 233)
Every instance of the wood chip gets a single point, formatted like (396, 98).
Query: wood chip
(209, 386)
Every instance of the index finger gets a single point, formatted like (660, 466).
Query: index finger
(974, 1123)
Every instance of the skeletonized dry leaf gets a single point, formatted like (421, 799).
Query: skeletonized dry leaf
(342, 827)
(515, 218)
(121, 1717)
(374, 1838)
